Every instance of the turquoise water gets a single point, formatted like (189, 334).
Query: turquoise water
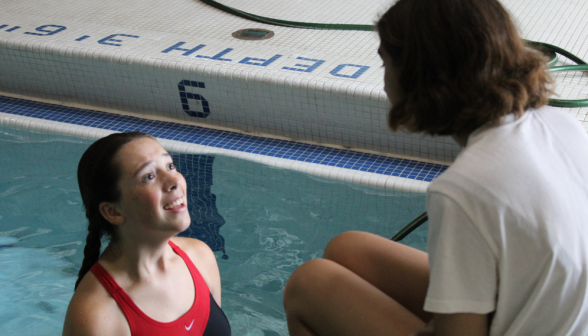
(266, 221)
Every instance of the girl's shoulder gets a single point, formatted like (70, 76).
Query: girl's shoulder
(93, 311)
(196, 249)
(205, 261)
(191, 244)
(199, 253)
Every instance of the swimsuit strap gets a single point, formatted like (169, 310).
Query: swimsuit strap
(201, 301)
(196, 276)
(120, 296)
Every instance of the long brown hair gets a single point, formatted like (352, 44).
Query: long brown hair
(98, 176)
(461, 65)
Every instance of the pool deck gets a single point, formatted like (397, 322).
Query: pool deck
(177, 63)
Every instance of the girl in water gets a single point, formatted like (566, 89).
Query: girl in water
(507, 252)
(147, 281)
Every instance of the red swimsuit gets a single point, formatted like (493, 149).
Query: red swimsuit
(195, 322)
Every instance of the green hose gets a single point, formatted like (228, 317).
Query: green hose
(411, 227)
(569, 103)
(546, 48)
(283, 23)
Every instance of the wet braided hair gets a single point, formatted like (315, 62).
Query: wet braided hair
(98, 176)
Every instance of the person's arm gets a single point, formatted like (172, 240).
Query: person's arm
(462, 324)
(427, 330)
(463, 258)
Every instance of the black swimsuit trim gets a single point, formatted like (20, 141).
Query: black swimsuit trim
(218, 324)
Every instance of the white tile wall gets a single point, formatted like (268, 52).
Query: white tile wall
(131, 73)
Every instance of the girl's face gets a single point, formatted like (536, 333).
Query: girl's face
(153, 192)
(391, 86)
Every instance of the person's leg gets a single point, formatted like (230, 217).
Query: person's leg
(350, 295)
(400, 271)
(324, 298)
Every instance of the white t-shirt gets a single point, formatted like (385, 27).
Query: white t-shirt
(508, 227)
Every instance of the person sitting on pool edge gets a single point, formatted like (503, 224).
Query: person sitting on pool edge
(508, 220)
(146, 282)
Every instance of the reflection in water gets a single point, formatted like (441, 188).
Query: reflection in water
(206, 221)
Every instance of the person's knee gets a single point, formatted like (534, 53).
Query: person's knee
(342, 246)
(305, 283)
(301, 280)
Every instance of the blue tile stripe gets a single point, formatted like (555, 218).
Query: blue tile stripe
(365, 162)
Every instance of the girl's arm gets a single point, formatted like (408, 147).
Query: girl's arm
(92, 311)
(456, 325)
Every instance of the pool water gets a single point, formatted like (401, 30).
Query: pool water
(261, 222)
